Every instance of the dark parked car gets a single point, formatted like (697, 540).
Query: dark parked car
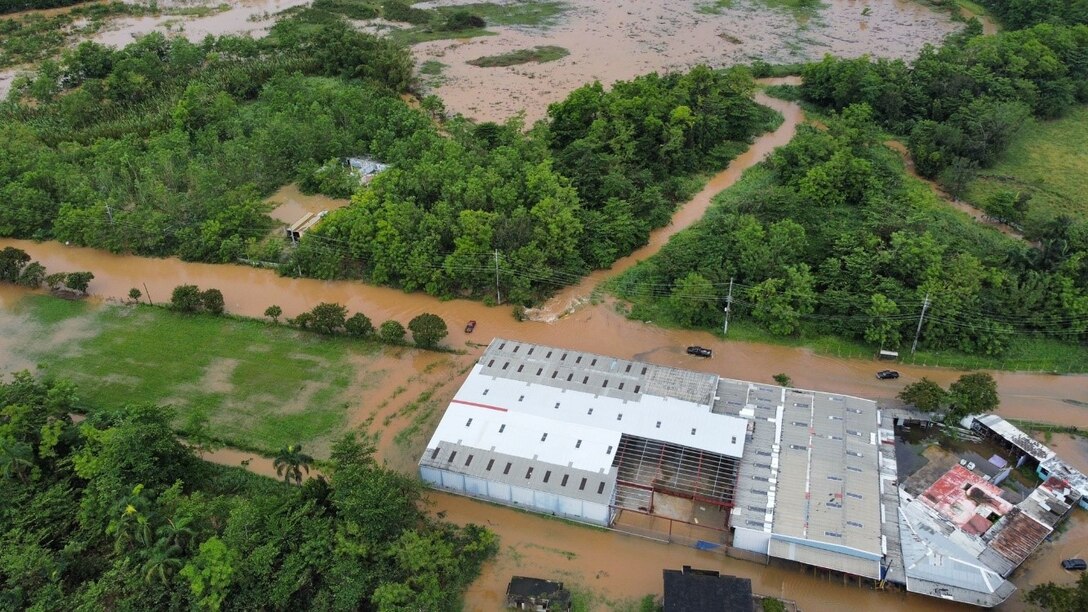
(699, 351)
(471, 326)
(1074, 564)
(887, 374)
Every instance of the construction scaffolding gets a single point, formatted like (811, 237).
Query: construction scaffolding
(645, 467)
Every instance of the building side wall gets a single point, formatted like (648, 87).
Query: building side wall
(540, 501)
(752, 540)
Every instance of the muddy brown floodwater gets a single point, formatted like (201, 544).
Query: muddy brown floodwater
(243, 17)
(291, 204)
(610, 41)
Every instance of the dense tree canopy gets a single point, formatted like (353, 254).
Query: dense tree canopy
(827, 236)
(116, 513)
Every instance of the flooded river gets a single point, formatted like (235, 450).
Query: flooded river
(610, 41)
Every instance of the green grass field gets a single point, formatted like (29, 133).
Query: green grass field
(261, 387)
(1049, 160)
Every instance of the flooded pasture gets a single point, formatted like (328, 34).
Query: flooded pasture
(610, 41)
(241, 17)
(290, 204)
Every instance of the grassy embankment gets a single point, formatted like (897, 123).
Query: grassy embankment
(1049, 161)
(1025, 352)
(546, 53)
(260, 386)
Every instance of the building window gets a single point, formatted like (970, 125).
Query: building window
(452, 455)
(570, 376)
(491, 363)
(469, 422)
(468, 461)
(578, 444)
(585, 380)
(506, 365)
(637, 387)
(531, 350)
(521, 367)
(600, 488)
(528, 473)
(502, 346)
(543, 437)
(434, 455)
(855, 524)
(521, 398)
(619, 417)
(579, 360)
(490, 463)
(547, 475)
(565, 477)
(593, 363)
(582, 487)
(621, 386)
(693, 431)
(590, 411)
(628, 370)
(486, 390)
(539, 370)
(557, 405)
(549, 355)
(605, 383)
(555, 373)
(734, 440)
(659, 424)
(516, 348)
(563, 358)
(609, 451)
(508, 466)
(502, 428)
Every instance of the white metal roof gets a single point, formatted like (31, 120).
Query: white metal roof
(573, 411)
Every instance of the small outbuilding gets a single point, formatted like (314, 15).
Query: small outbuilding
(537, 594)
(695, 590)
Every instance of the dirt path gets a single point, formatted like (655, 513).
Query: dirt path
(960, 205)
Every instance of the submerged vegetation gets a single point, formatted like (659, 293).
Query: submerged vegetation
(539, 55)
(116, 513)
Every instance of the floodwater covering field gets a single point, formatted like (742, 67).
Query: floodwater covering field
(610, 41)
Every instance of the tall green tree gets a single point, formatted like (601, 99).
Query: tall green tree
(427, 330)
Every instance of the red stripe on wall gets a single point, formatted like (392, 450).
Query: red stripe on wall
(489, 407)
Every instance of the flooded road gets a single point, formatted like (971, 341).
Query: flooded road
(610, 41)
(598, 327)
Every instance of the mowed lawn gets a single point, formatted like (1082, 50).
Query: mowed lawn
(260, 386)
(1049, 160)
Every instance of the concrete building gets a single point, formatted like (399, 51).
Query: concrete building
(582, 436)
(810, 480)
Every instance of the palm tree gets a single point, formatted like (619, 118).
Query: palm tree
(290, 462)
(176, 532)
(162, 561)
(16, 458)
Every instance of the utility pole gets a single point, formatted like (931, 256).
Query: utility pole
(148, 294)
(925, 305)
(728, 307)
(109, 213)
(498, 296)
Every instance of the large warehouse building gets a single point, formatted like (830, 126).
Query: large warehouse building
(795, 474)
(582, 436)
